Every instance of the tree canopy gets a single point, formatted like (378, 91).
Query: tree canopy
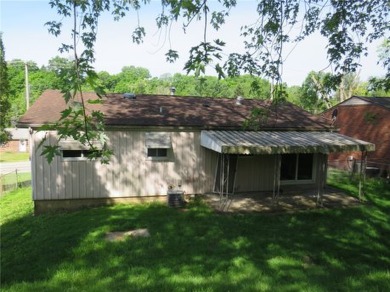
(4, 93)
(348, 25)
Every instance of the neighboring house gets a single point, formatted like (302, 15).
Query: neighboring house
(366, 118)
(18, 141)
(196, 144)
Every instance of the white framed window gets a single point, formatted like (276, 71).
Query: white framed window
(75, 154)
(72, 150)
(158, 146)
(157, 153)
(297, 167)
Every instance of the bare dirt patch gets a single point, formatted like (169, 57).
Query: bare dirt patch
(122, 235)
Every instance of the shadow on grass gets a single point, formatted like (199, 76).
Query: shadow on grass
(195, 249)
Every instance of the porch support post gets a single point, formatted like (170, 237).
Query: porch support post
(276, 186)
(321, 178)
(362, 174)
(319, 161)
(222, 178)
(224, 181)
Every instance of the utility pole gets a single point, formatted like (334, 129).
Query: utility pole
(27, 85)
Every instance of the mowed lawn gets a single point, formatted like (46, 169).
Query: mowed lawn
(195, 249)
(14, 156)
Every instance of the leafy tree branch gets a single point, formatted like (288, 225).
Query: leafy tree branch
(348, 26)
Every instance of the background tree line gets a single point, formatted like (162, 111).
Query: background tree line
(317, 92)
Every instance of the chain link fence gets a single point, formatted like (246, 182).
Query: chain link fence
(13, 180)
(373, 169)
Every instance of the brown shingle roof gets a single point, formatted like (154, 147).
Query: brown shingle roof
(175, 111)
(381, 101)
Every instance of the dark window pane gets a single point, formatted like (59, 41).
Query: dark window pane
(157, 152)
(71, 153)
(288, 166)
(161, 152)
(305, 166)
(152, 152)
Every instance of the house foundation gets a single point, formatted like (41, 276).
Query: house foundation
(48, 206)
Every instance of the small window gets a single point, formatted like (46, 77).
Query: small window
(157, 152)
(158, 146)
(69, 154)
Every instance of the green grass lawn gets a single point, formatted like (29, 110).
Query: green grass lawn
(14, 156)
(197, 250)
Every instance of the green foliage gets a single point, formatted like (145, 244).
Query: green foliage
(40, 79)
(245, 85)
(258, 117)
(14, 156)
(131, 79)
(371, 118)
(317, 91)
(382, 85)
(76, 122)
(204, 54)
(5, 104)
(264, 42)
(294, 94)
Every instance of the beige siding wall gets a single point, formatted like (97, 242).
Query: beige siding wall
(255, 173)
(130, 172)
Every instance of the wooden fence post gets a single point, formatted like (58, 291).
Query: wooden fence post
(16, 178)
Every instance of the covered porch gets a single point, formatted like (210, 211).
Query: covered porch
(284, 156)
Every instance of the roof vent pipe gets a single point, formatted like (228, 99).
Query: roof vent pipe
(173, 90)
(239, 100)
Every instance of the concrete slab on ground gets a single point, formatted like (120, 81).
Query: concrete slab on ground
(288, 202)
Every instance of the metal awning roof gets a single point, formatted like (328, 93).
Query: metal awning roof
(261, 142)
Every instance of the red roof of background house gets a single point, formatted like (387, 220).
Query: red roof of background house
(175, 111)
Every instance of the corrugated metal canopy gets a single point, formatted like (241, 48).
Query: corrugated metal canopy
(251, 142)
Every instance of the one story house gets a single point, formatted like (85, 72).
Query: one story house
(195, 144)
(18, 140)
(366, 118)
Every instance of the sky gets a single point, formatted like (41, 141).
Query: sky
(26, 37)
